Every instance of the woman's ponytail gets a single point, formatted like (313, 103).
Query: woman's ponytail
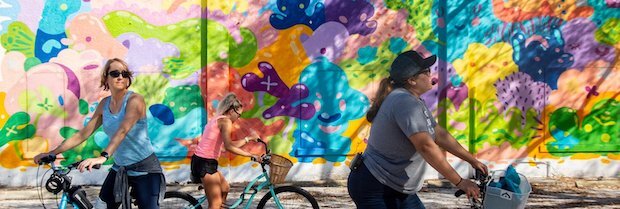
(385, 87)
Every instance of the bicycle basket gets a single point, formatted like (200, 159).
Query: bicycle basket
(278, 168)
(495, 197)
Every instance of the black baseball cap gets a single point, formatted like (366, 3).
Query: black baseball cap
(408, 64)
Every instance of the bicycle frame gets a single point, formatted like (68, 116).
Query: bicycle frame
(64, 200)
(249, 189)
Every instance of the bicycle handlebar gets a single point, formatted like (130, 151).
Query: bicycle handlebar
(266, 159)
(481, 177)
(267, 151)
(51, 158)
(59, 181)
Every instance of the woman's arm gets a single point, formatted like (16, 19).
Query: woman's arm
(225, 126)
(434, 156)
(241, 142)
(446, 141)
(78, 138)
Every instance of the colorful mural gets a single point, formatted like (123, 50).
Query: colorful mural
(518, 82)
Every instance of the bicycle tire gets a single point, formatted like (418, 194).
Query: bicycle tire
(290, 197)
(176, 200)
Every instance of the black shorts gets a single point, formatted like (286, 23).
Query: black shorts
(201, 166)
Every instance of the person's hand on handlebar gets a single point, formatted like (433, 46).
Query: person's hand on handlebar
(37, 159)
(479, 166)
(257, 158)
(470, 188)
(253, 136)
(90, 163)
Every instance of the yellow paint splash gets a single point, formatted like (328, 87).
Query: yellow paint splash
(288, 45)
(319, 161)
(605, 161)
(585, 156)
(605, 138)
(4, 116)
(481, 67)
(239, 6)
(358, 131)
(169, 166)
(613, 156)
(13, 154)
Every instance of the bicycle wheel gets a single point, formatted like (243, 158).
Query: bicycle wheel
(176, 200)
(290, 197)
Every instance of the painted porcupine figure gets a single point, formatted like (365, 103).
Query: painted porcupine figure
(519, 90)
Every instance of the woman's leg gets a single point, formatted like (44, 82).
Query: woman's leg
(107, 191)
(146, 190)
(412, 201)
(225, 187)
(365, 190)
(396, 199)
(213, 189)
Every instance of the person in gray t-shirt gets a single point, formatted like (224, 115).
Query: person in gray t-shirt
(404, 139)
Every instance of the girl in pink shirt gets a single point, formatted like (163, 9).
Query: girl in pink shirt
(218, 132)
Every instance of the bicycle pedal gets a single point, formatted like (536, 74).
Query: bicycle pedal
(226, 205)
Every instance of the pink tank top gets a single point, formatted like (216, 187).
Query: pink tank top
(210, 144)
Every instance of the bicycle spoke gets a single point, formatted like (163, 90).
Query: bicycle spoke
(290, 200)
(289, 197)
(175, 203)
(179, 200)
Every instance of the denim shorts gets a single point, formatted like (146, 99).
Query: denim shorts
(368, 193)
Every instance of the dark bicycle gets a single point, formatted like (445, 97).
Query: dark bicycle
(59, 182)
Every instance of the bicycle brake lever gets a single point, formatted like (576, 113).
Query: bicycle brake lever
(47, 159)
(459, 193)
(480, 175)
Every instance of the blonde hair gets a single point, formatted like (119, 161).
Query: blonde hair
(229, 102)
(106, 69)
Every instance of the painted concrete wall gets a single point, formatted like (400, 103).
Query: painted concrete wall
(529, 83)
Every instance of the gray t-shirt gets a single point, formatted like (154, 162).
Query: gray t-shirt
(390, 156)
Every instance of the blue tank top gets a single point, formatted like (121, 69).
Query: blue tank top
(136, 146)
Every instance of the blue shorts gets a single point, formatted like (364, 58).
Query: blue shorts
(144, 188)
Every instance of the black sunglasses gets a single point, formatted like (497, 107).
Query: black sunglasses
(116, 73)
(236, 111)
(425, 71)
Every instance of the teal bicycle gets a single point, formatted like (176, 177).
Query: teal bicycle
(281, 197)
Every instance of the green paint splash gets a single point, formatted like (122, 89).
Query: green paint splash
(18, 127)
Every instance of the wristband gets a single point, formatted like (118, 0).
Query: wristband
(106, 155)
(457, 184)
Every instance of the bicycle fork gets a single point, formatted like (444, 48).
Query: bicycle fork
(275, 197)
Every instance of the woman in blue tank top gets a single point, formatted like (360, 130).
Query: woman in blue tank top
(123, 117)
